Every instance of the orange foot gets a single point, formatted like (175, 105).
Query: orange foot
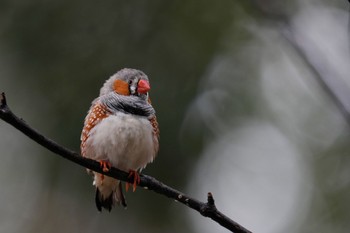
(133, 173)
(105, 164)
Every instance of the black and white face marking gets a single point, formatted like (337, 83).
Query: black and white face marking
(133, 85)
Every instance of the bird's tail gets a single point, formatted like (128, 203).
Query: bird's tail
(108, 192)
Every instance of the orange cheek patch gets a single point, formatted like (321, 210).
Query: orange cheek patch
(121, 87)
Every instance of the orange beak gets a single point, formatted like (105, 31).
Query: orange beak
(143, 87)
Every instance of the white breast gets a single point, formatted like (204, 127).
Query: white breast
(125, 140)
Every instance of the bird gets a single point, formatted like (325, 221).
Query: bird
(120, 130)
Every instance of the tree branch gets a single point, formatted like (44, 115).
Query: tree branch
(207, 209)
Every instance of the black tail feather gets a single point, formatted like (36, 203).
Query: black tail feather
(121, 195)
(101, 202)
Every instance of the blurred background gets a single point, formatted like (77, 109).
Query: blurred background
(252, 99)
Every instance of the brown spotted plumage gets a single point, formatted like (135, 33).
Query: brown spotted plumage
(156, 132)
(95, 115)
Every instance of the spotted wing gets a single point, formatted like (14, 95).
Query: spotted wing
(96, 114)
(154, 123)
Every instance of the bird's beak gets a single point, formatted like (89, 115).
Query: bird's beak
(143, 87)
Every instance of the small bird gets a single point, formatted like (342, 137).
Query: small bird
(120, 130)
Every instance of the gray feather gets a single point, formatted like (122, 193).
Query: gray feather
(127, 104)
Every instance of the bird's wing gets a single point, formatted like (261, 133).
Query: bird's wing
(95, 115)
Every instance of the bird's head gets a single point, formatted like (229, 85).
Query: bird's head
(127, 82)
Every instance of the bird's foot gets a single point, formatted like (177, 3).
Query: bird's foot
(105, 165)
(133, 173)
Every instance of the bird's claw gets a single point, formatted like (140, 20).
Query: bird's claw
(106, 165)
(137, 179)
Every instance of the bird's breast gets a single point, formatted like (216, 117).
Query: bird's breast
(125, 140)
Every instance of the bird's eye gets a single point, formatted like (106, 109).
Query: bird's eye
(130, 82)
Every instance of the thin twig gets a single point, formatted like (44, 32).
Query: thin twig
(206, 209)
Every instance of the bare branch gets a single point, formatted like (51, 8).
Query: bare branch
(206, 209)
